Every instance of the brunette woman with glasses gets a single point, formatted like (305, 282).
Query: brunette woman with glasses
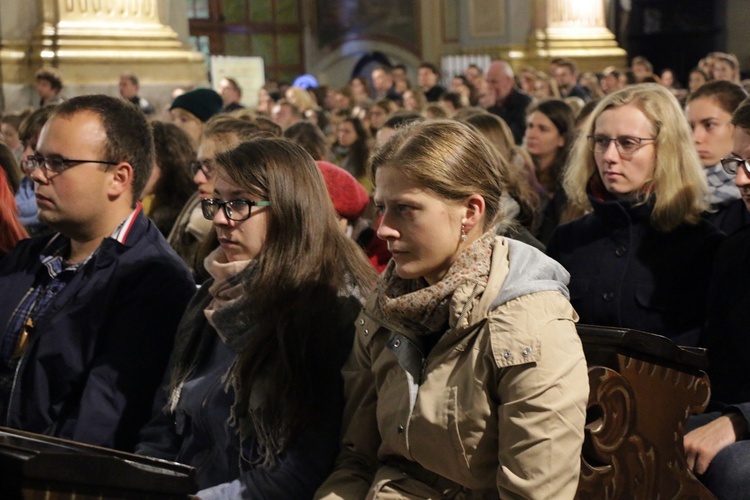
(254, 396)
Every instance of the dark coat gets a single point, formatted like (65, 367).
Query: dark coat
(199, 433)
(727, 332)
(92, 367)
(513, 111)
(625, 273)
(730, 218)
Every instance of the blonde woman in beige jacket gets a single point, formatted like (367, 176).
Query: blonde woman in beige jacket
(467, 378)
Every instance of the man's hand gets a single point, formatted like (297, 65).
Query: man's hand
(703, 443)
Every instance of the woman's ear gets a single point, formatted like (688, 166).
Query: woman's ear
(475, 208)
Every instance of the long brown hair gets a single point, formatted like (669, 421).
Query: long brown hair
(295, 294)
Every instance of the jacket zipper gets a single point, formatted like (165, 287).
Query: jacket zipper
(15, 379)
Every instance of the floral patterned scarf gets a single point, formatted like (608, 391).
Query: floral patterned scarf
(416, 306)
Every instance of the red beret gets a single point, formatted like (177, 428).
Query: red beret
(348, 196)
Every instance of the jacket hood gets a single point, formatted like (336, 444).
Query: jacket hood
(530, 271)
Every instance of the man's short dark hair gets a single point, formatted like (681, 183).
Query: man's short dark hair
(431, 67)
(567, 63)
(385, 69)
(132, 77)
(454, 98)
(129, 137)
(51, 75)
(741, 116)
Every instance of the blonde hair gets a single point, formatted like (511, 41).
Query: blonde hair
(678, 188)
(302, 98)
(449, 159)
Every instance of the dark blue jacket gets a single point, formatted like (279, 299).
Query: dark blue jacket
(624, 273)
(198, 432)
(99, 351)
(730, 218)
(513, 112)
(727, 323)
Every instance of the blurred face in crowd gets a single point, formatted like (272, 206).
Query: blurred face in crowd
(741, 149)
(188, 123)
(282, 114)
(707, 65)
(499, 81)
(378, 116)
(10, 136)
(228, 93)
(723, 71)
(398, 74)
(528, 81)
(713, 131)
(610, 83)
(623, 174)
(640, 70)
(410, 102)
(265, 102)
(128, 89)
(427, 79)
(381, 80)
(542, 138)
(696, 80)
(346, 134)
(472, 74)
(358, 87)
(565, 77)
(44, 89)
(667, 78)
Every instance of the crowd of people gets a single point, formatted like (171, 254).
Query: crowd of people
(371, 290)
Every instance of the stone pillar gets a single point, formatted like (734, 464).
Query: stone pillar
(92, 41)
(574, 29)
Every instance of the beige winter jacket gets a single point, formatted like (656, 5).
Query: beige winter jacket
(500, 409)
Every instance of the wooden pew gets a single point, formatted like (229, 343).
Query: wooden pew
(33, 466)
(642, 389)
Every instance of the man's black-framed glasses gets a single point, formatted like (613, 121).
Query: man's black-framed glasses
(205, 166)
(626, 145)
(732, 164)
(56, 163)
(236, 210)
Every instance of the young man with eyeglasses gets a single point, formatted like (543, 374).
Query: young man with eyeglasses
(717, 446)
(88, 314)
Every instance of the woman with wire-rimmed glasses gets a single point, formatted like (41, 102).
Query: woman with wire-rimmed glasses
(641, 257)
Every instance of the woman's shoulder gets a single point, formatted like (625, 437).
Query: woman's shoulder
(518, 328)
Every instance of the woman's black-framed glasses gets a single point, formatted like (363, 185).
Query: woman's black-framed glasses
(236, 210)
(732, 164)
(56, 163)
(626, 144)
